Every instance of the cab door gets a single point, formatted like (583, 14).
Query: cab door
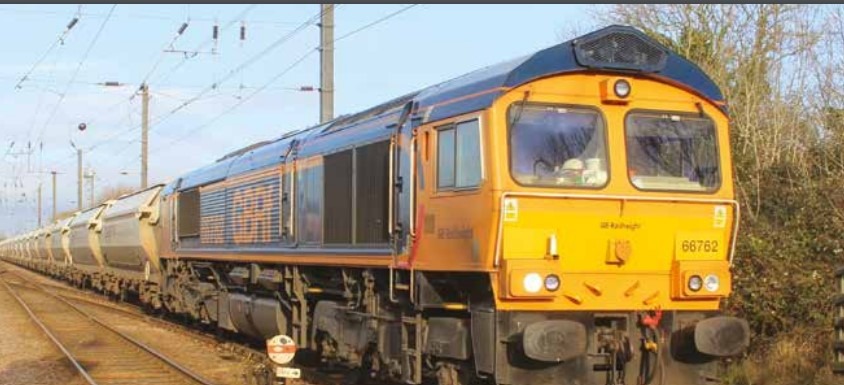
(403, 185)
(288, 194)
(454, 200)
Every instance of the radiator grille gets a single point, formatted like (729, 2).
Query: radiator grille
(243, 214)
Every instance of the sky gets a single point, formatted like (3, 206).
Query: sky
(208, 98)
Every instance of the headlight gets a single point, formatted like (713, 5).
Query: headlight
(552, 282)
(695, 283)
(532, 283)
(621, 88)
(712, 283)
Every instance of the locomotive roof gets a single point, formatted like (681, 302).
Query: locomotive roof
(619, 49)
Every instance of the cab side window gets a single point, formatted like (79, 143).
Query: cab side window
(459, 156)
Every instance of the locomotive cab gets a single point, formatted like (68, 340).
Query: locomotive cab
(635, 189)
(616, 221)
(599, 196)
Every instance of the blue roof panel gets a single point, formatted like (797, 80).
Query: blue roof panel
(619, 49)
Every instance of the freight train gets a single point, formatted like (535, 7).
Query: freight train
(567, 217)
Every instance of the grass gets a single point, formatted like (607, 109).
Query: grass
(793, 360)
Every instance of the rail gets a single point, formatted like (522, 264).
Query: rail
(256, 355)
(100, 374)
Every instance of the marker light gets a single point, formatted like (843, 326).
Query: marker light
(552, 282)
(712, 283)
(621, 88)
(695, 283)
(532, 283)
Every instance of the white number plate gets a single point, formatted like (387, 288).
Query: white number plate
(285, 372)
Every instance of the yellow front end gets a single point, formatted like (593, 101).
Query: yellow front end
(609, 203)
(620, 254)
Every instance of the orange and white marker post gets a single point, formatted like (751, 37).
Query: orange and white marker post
(281, 349)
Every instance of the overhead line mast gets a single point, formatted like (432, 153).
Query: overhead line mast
(326, 62)
(144, 135)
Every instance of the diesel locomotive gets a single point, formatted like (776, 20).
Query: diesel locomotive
(567, 217)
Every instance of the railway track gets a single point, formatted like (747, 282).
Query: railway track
(229, 346)
(257, 365)
(100, 353)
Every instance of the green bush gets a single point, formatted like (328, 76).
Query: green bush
(786, 258)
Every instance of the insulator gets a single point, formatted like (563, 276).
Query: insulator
(242, 32)
(216, 32)
(306, 88)
(183, 28)
(72, 23)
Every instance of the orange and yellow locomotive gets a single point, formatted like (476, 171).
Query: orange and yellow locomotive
(567, 217)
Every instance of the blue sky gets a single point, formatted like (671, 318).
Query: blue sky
(424, 45)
